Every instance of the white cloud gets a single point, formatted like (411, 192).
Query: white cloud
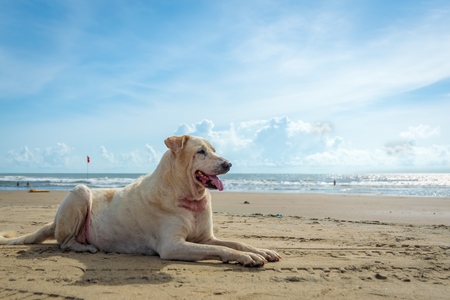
(57, 156)
(342, 157)
(203, 128)
(24, 156)
(302, 60)
(136, 160)
(106, 154)
(52, 157)
(152, 155)
(61, 149)
(335, 142)
(300, 126)
(131, 158)
(420, 132)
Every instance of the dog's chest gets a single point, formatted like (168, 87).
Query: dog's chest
(198, 221)
(194, 206)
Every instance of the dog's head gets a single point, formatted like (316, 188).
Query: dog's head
(197, 159)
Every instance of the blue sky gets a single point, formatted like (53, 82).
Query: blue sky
(277, 86)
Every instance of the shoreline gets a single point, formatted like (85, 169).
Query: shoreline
(289, 192)
(392, 209)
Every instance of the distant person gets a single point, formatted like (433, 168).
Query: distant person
(28, 184)
(334, 182)
(18, 183)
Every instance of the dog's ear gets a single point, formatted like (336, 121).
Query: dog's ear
(176, 143)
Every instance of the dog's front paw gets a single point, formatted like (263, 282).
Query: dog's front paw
(270, 255)
(249, 259)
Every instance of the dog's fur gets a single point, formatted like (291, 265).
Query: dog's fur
(166, 213)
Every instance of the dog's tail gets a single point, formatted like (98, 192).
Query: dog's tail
(37, 237)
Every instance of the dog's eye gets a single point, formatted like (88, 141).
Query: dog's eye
(202, 152)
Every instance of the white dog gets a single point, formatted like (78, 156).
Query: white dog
(166, 213)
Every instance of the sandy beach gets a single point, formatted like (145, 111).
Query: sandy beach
(333, 247)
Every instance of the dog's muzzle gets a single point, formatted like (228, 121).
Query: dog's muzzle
(212, 181)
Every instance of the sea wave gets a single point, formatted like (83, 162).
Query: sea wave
(411, 184)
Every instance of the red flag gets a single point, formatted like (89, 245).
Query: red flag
(88, 159)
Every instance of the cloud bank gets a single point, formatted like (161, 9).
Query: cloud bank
(295, 145)
(274, 145)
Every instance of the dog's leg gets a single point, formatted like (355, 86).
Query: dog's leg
(194, 252)
(267, 254)
(37, 237)
(71, 218)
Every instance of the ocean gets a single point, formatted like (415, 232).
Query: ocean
(395, 184)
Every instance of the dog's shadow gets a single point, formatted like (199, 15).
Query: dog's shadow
(72, 268)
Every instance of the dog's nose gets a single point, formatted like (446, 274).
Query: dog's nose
(226, 165)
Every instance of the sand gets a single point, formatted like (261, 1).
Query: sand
(333, 247)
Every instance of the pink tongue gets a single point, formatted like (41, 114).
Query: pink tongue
(217, 182)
